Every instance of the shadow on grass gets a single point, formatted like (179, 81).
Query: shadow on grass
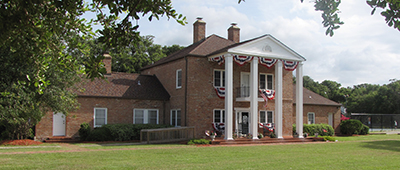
(390, 145)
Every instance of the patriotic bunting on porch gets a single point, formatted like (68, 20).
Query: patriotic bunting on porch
(290, 65)
(268, 126)
(267, 95)
(220, 59)
(220, 92)
(241, 60)
(267, 62)
(219, 127)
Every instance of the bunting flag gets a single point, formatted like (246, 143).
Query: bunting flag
(344, 118)
(268, 126)
(219, 127)
(220, 92)
(267, 95)
(267, 62)
(241, 60)
(220, 59)
(290, 65)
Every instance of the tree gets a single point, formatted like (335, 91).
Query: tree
(133, 57)
(168, 50)
(42, 55)
(331, 19)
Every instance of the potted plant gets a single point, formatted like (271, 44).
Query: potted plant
(211, 134)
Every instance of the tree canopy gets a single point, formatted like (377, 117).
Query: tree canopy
(43, 51)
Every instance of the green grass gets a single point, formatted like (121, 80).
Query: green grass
(361, 152)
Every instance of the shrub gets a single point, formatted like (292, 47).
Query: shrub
(321, 129)
(328, 138)
(364, 130)
(351, 126)
(84, 131)
(118, 132)
(198, 141)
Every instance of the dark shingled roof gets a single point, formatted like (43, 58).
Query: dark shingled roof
(124, 85)
(201, 48)
(311, 98)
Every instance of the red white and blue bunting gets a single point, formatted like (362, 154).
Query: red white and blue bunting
(220, 59)
(220, 92)
(290, 65)
(267, 95)
(241, 60)
(219, 127)
(267, 62)
(269, 126)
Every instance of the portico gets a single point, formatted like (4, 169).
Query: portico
(262, 51)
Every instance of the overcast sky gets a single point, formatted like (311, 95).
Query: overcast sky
(363, 50)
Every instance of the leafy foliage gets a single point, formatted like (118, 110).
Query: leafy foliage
(43, 52)
(120, 132)
(321, 129)
(198, 141)
(84, 131)
(350, 127)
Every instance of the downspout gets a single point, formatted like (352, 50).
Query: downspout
(186, 82)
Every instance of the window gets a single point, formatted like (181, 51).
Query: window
(266, 81)
(219, 78)
(311, 118)
(176, 118)
(179, 78)
(100, 117)
(145, 116)
(266, 117)
(219, 116)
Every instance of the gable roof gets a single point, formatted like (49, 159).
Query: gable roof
(264, 46)
(201, 48)
(311, 98)
(124, 85)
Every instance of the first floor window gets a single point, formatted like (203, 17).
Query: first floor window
(100, 117)
(219, 116)
(176, 117)
(145, 116)
(266, 116)
(311, 118)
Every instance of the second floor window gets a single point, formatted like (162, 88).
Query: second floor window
(219, 78)
(266, 81)
(179, 78)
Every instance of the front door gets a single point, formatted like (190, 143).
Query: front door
(58, 124)
(244, 122)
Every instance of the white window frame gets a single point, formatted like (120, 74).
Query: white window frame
(222, 78)
(145, 115)
(179, 79)
(174, 113)
(266, 81)
(94, 116)
(312, 116)
(221, 116)
(266, 116)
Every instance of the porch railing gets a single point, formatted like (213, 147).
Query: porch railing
(166, 135)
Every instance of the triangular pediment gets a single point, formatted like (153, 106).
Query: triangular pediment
(266, 46)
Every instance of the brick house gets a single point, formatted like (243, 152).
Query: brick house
(214, 80)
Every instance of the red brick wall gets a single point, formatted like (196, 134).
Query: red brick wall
(321, 115)
(118, 111)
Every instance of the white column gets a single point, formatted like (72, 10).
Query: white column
(299, 100)
(254, 97)
(278, 99)
(228, 97)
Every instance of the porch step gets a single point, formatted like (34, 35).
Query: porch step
(61, 139)
(244, 141)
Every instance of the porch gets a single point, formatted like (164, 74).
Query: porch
(265, 140)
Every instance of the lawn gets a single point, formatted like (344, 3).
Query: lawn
(361, 152)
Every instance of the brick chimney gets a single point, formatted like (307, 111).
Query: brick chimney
(234, 33)
(199, 30)
(107, 62)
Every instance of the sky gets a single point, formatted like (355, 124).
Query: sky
(363, 50)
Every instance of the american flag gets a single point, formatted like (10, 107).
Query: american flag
(267, 95)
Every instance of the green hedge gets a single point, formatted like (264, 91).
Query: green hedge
(116, 132)
(321, 129)
(198, 141)
(351, 126)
